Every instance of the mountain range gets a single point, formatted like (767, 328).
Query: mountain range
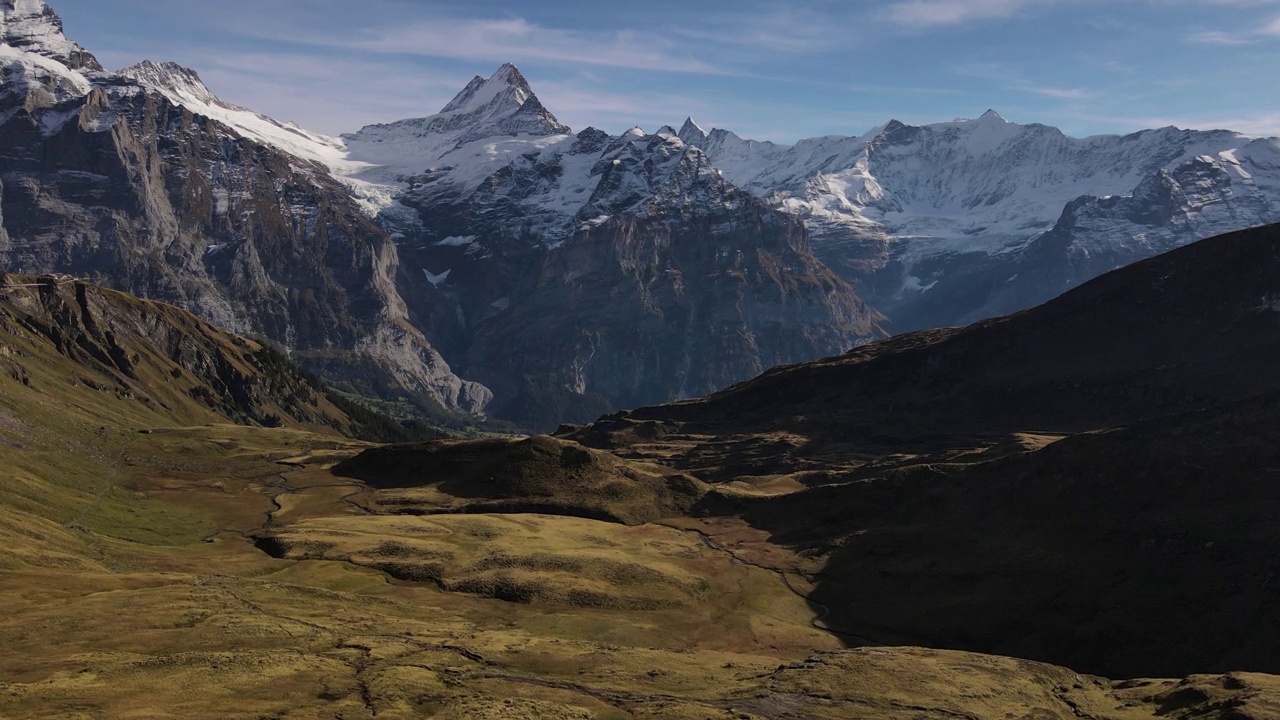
(487, 259)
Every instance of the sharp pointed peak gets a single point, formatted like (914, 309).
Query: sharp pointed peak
(691, 124)
(506, 83)
(32, 26)
(691, 132)
(991, 115)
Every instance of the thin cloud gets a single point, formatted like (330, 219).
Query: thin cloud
(1056, 92)
(951, 12)
(517, 39)
(1219, 37)
(1234, 39)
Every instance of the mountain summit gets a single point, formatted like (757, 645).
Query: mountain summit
(501, 106)
(505, 89)
(32, 26)
(173, 80)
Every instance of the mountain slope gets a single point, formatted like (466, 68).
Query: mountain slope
(941, 224)
(147, 354)
(588, 272)
(1185, 330)
(146, 182)
(1086, 482)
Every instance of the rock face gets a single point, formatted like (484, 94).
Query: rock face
(154, 358)
(950, 223)
(571, 273)
(32, 26)
(589, 272)
(104, 176)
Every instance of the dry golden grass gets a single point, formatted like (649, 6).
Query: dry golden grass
(131, 587)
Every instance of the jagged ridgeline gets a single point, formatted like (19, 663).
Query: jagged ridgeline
(63, 337)
(69, 340)
(652, 278)
(488, 259)
(109, 178)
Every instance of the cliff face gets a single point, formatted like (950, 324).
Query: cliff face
(149, 358)
(105, 178)
(654, 306)
(605, 272)
(945, 224)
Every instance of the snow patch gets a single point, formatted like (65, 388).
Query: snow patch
(436, 280)
(457, 241)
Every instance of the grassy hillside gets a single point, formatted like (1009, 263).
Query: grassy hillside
(187, 536)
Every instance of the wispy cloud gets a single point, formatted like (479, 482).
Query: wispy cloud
(326, 94)
(1055, 92)
(1219, 37)
(515, 39)
(951, 12)
(1010, 79)
(1268, 31)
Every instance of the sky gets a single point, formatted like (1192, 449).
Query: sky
(765, 70)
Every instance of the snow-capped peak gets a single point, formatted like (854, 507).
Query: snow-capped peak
(32, 26)
(180, 84)
(183, 87)
(992, 116)
(500, 107)
(692, 133)
(505, 89)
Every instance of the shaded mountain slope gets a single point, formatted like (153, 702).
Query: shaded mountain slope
(1091, 482)
(1149, 550)
(1188, 329)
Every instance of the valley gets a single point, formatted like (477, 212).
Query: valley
(690, 560)
(473, 415)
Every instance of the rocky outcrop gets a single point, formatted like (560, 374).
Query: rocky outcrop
(32, 26)
(164, 359)
(592, 272)
(109, 179)
(942, 224)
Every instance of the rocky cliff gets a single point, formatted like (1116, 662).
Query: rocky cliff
(948, 223)
(590, 272)
(106, 177)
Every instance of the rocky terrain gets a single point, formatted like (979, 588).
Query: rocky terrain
(488, 259)
(150, 355)
(954, 222)
(370, 256)
(106, 177)
(589, 272)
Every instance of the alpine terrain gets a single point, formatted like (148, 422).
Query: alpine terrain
(188, 533)
(246, 472)
(949, 223)
(488, 259)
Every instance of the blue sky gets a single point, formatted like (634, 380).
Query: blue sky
(765, 70)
